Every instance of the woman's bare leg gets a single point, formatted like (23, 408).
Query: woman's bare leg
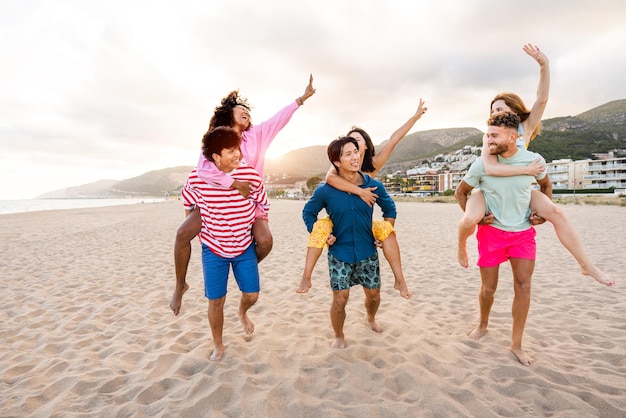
(475, 210)
(263, 238)
(391, 249)
(182, 254)
(568, 236)
(312, 255)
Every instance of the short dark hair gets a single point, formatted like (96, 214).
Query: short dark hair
(218, 139)
(334, 148)
(504, 120)
(223, 115)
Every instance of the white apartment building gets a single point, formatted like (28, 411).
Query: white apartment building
(588, 174)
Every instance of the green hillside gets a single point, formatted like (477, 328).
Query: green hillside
(597, 130)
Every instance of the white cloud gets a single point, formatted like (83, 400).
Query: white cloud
(95, 90)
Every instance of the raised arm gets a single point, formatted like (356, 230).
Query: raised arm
(384, 153)
(543, 91)
(308, 92)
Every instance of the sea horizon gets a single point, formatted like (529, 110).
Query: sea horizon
(9, 206)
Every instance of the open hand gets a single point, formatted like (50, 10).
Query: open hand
(536, 53)
(368, 196)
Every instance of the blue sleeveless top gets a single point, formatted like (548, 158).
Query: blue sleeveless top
(520, 143)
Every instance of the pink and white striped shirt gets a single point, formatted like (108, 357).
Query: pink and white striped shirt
(227, 216)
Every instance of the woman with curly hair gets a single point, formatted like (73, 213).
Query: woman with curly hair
(234, 112)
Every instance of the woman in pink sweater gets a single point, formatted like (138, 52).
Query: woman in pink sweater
(234, 111)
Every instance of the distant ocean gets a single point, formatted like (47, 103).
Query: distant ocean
(31, 205)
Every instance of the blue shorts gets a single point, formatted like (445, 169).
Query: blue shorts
(216, 270)
(496, 246)
(345, 275)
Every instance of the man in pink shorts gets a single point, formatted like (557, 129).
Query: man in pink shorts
(510, 235)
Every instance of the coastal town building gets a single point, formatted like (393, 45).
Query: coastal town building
(588, 174)
(607, 173)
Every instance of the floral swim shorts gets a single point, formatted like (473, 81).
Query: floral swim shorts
(344, 275)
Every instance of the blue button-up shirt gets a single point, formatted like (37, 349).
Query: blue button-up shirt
(351, 216)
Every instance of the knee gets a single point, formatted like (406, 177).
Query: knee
(522, 287)
(555, 212)
(488, 291)
(187, 231)
(250, 298)
(549, 211)
(468, 221)
(184, 233)
(340, 302)
(265, 241)
(373, 298)
(216, 304)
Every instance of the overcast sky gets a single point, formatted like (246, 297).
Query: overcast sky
(111, 89)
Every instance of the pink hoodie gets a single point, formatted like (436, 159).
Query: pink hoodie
(254, 144)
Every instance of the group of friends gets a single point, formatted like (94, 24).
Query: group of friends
(227, 207)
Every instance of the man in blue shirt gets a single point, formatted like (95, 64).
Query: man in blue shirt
(352, 258)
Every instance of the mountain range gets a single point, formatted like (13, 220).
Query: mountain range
(597, 130)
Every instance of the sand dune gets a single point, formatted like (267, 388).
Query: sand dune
(86, 328)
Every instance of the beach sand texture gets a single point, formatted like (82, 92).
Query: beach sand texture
(86, 328)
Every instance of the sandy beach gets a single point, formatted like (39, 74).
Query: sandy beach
(86, 328)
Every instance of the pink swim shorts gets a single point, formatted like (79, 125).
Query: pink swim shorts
(496, 246)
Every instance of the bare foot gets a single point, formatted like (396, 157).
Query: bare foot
(177, 299)
(339, 343)
(523, 358)
(404, 290)
(373, 325)
(248, 326)
(305, 285)
(217, 354)
(478, 332)
(599, 275)
(462, 255)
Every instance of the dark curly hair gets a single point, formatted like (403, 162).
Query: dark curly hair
(223, 115)
(218, 139)
(504, 120)
(368, 164)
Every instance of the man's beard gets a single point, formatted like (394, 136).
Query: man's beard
(500, 148)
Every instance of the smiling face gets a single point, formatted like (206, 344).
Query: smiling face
(500, 140)
(350, 158)
(228, 159)
(359, 138)
(241, 116)
(500, 106)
